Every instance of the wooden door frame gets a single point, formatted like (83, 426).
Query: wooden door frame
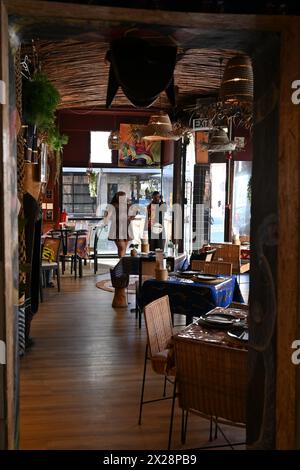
(288, 419)
(8, 245)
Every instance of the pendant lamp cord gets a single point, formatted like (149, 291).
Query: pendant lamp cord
(220, 73)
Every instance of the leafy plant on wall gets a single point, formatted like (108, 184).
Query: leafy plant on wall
(40, 101)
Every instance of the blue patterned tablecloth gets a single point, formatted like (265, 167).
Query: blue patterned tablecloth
(131, 264)
(192, 299)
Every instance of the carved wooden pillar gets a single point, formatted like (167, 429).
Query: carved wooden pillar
(264, 240)
(288, 319)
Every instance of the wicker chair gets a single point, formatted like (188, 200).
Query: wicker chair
(159, 328)
(211, 380)
(213, 267)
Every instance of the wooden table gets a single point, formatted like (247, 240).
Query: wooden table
(131, 265)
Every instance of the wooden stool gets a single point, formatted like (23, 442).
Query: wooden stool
(120, 299)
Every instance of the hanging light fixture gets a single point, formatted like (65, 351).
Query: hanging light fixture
(114, 140)
(237, 82)
(219, 142)
(159, 128)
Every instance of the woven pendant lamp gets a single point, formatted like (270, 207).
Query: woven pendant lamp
(114, 140)
(159, 128)
(218, 142)
(237, 82)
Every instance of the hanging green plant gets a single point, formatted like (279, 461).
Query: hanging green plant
(92, 175)
(56, 142)
(55, 139)
(40, 100)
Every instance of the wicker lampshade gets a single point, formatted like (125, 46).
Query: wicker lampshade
(237, 82)
(218, 142)
(159, 128)
(114, 140)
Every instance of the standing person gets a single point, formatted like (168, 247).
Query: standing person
(120, 229)
(155, 212)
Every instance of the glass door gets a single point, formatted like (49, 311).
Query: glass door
(241, 198)
(218, 198)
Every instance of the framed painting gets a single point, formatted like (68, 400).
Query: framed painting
(135, 151)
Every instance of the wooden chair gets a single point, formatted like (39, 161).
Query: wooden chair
(75, 250)
(207, 255)
(159, 328)
(52, 247)
(231, 254)
(213, 267)
(211, 380)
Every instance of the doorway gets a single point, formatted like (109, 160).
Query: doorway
(289, 151)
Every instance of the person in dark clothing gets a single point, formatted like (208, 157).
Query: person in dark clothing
(155, 219)
(33, 217)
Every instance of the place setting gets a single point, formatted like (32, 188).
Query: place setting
(231, 319)
(198, 276)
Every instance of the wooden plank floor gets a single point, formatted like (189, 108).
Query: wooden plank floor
(80, 383)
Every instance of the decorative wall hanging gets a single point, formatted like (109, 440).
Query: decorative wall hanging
(135, 151)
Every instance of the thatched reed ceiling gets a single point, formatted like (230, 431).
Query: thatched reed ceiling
(80, 73)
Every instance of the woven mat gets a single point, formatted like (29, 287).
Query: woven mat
(87, 270)
(105, 284)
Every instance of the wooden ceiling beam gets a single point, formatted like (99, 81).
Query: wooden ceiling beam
(32, 9)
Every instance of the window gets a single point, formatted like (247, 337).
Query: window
(99, 151)
(76, 197)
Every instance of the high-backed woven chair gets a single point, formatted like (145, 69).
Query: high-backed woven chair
(159, 328)
(50, 260)
(213, 267)
(211, 380)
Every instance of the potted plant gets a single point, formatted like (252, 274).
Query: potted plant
(40, 100)
(56, 142)
(92, 176)
(133, 247)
